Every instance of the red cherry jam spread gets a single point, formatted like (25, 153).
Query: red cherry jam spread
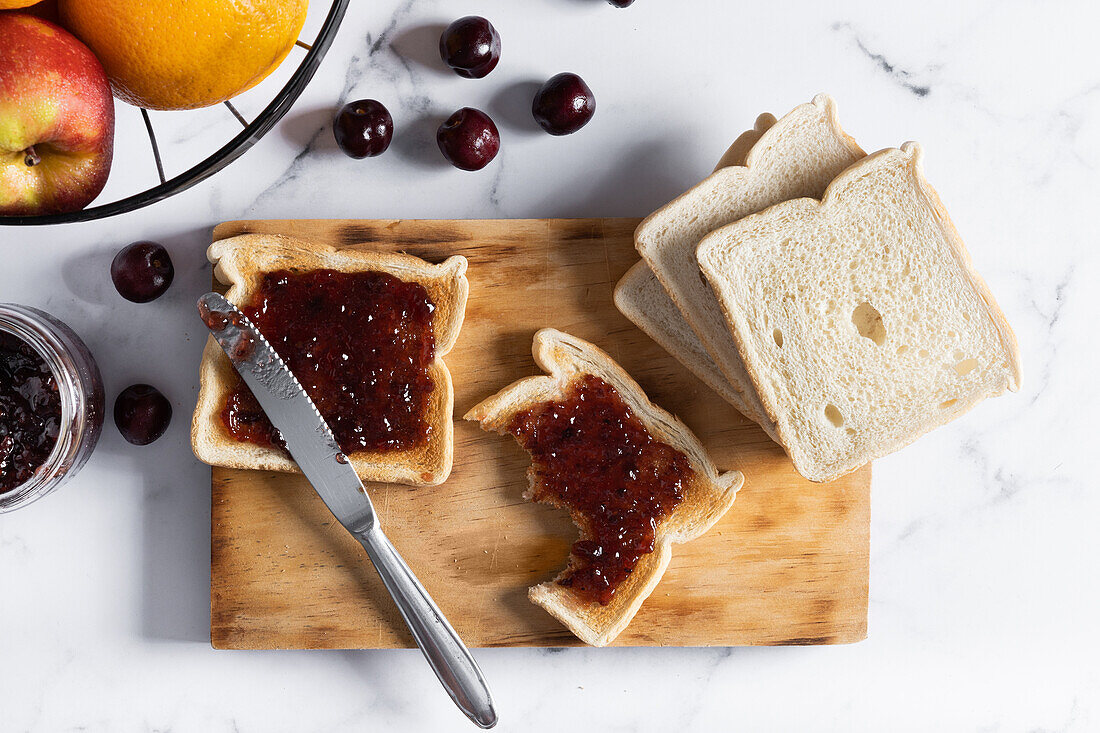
(592, 455)
(30, 411)
(360, 343)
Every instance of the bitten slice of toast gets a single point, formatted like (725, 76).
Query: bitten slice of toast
(860, 318)
(705, 499)
(241, 263)
(797, 156)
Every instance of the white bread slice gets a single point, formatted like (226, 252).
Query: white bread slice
(640, 297)
(643, 300)
(797, 156)
(705, 500)
(860, 318)
(241, 262)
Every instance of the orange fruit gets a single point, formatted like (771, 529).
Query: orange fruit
(182, 54)
(12, 4)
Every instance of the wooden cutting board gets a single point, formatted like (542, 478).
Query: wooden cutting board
(787, 565)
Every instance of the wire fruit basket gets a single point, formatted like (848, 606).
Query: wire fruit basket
(235, 148)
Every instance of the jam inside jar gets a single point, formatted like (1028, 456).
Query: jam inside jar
(30, 411)
(591, 454)
(360, 343)
(51, 404)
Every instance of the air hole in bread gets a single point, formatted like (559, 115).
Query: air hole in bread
(850, 431)
(868, 321)
(923, 353)
(853, 264)
(966, 366)
(904, 348)
(778, 336)
(947, 403)
(959, 355)
(906, 270)
(833, 415)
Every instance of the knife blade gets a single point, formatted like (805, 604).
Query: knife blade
(313, 447)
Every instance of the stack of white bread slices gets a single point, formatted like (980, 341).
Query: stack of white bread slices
(823, 292)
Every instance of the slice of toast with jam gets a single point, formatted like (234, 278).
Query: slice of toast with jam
(365, 332)
(634, 479)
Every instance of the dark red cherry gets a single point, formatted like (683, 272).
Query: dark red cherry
(621, 3)
(363, 128)
(564, 104)
(469, 139)
(470, 46)
(142, 271)
(142, 414)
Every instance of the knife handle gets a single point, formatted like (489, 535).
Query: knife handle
(444, 650)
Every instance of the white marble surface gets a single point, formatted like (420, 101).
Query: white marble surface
(985, 551)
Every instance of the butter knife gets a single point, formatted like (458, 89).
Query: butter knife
(312, 445)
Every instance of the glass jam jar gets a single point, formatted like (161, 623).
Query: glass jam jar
(79, 388)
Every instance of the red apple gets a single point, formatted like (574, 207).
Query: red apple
(57, 119)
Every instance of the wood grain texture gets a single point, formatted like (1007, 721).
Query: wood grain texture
(787, 565)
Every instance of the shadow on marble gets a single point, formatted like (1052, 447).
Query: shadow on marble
(88, 276)
(176, 497)
(645, 177)
(511, 107)
(176, 544)
(416, 142)
(391, 694)
(158, 343)
(310, 129)
(420, 45)
(171, 491)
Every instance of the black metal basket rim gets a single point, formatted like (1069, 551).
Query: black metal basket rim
(228, 153)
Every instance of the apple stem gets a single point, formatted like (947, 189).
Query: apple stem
(32, 157)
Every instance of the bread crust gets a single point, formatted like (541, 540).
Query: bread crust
(685, 345)
(738, 151)
(241, 262)
(966, 261)
(698, 304)
(912, 155)
(707, 499)
(631, 301)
